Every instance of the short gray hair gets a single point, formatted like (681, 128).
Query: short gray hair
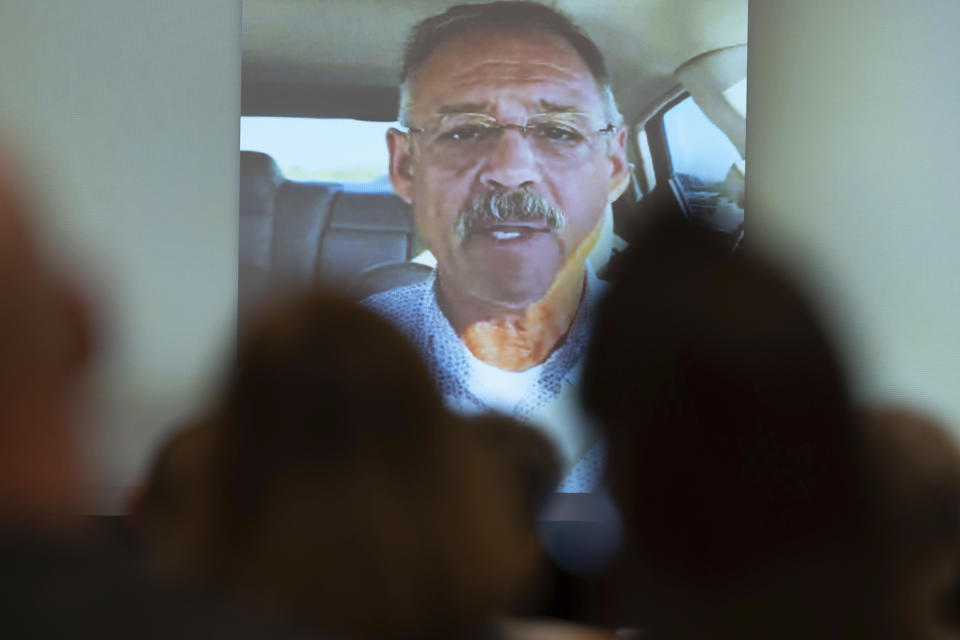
(520, 15)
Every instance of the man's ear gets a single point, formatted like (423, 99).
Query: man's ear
(619, 166)
(401, 164)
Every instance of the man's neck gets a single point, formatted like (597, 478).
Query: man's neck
(516, 338)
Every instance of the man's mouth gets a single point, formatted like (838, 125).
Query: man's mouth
(511, 230)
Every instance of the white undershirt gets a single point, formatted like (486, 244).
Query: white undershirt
(498, 389)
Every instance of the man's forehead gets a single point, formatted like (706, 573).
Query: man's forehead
(486, 63)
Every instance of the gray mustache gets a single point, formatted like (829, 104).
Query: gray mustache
(515, 205)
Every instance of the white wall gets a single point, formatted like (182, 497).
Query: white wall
(126, 115)
(852, 152)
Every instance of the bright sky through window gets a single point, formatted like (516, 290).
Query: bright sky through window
(697, 146)
(335, 150)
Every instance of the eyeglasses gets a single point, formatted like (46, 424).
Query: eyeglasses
(465, 137)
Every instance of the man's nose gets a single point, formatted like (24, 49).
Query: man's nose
(512, 163)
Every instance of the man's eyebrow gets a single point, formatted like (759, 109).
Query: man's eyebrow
(480, 107)
(552, 107)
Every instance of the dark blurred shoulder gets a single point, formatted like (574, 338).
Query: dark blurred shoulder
(56, 585)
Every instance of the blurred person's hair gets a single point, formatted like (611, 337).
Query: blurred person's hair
(160, 511)
(529, 462)
(918, 478)
(525, 455)
(426, 36)
(342, 490)
(734, 448)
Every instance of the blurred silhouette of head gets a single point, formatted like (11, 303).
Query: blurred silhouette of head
(343, 491)
(531, 466)
(46, 342)
(526, 456)
(162, 508)
(918, 465)
(734, 452)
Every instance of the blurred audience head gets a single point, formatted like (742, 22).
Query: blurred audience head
(529, 462)
(45, 344)
(162, 508)
(343, 491)
(525, 456)
(918, 465)
(734, 449)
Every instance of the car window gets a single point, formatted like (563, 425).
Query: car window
(644, 166)
(707, 165)
(322, 149)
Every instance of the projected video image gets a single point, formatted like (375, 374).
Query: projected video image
(472, 174)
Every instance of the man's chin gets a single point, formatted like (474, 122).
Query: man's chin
(513, 272)
(511, 290)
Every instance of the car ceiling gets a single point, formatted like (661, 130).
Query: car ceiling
(340, 58)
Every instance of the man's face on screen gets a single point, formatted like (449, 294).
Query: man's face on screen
(509, 163)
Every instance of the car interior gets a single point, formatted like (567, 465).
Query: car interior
(297, 234)
(340, 59)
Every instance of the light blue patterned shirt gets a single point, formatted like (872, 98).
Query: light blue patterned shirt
(544, 396)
